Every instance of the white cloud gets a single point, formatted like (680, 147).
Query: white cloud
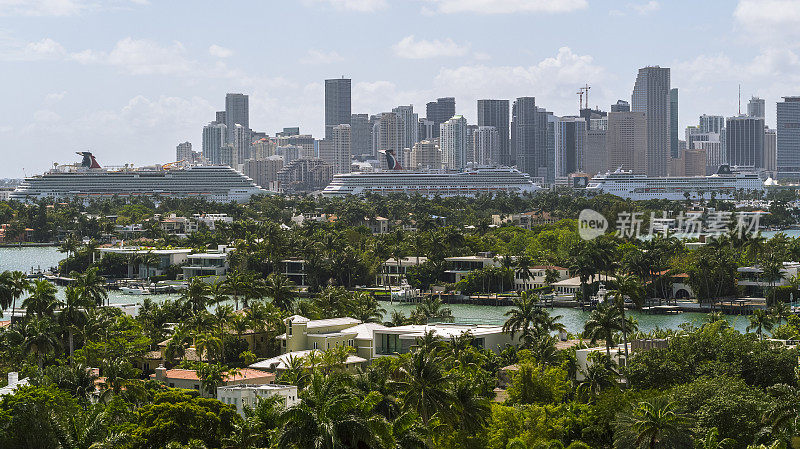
(55, 97)
(219, 52)
(58, 8)
(44, 49)
(318, 57)
(411, 48)
(646, 8)
(771, 21)
(507, 6)
(352, 5)
(145, 57)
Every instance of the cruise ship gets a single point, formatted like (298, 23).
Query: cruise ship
(470, 182)
(723, 185)
(88, 181)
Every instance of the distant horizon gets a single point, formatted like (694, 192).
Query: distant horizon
(141, 77)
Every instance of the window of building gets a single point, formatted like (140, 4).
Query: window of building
(351, 343)
(315, 345)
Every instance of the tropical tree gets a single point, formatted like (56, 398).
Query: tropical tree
(653, 424)
(423, 385)
(712, 441)
(42, 300)
(196, 295)
(73, 314)
(600, 374)
(631, 288)
(40, 338)
(212, 375)
(602, 324)
(91, 285)
(523, 316)
(760, 321)
(279, 288)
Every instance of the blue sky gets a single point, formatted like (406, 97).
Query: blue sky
(129, 79)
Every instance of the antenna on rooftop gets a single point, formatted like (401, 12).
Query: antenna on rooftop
(740, 98)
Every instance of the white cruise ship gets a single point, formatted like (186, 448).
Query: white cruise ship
(723, 185)
(470, 182)
(89, 181)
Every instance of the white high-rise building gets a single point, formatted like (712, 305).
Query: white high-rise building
(756, 107)
(409, 134)
(712, 124)
(241, 144)
(453, 142)
(570, 145)
(237, 112)
(337, 154)
(487, 146)
(426, 155)
(183, 152)
(214, 135)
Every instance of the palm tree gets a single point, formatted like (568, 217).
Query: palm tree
(653, 424)
(329, 418)
(523, 268)
(785, 409)
(6, 290)
(712, 441)
(91, 285)
(424, 386)
(19, 285)
(73, 314)
(42, 300)
(209, 345)
(211, 376)
(196, 295)
(760, 321)
(431, 308)
(523, 316)
(627, 287)
(780, 312)
(40, 338)
(70, 245)
(603, 323)
(599, 375)
(236, 285)
(279, 288)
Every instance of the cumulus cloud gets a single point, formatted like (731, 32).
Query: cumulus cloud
(646, 8)
(769, 20)
(506, 6)
(321, 57)
(351, 5)
(411, 48)
(219, 52)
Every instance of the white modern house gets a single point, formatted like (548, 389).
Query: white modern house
(161, 259)
(537, 277)
(246, 395)
(210, 263)
(393, 272)
(303, 334)
(400, 339)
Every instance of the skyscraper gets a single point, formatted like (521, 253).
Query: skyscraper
(621, 106)
(361, 135)
(183, 152)
(523, 135)
(595, 153)
(756, 107)
(788, 157)
(214, 135)
(425, 129)
(410, 132)
(570, 145)
(471, 142)
(651, 95)
(387, 133)
(673, 122)
(220, 117)
(626, 140)
(241, 144)
(744, 141)
(495, 113)
(453, 142)
(770, 150)
(237, 112)
(338, 152)
(440, 111)
(337, 104)
(487, 145)
(426, 155)
(712, 124)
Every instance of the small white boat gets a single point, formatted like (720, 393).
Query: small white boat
(134, 291)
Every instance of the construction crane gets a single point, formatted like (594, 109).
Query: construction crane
(586, 89)
(580, 98)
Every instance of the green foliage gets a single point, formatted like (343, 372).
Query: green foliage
(32, 417)
(535, 424)
(537, 384)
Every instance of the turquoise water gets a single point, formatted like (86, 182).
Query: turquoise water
(573, 319)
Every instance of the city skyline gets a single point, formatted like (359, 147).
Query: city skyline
(131, 93)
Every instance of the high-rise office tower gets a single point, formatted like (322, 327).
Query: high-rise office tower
(227, 155)
(241, 143)
(744, 141)
(410, 132)
(453, 142)
(426, 155)
(486, 145)
(626, 140)
(471, 142)
(651, 96)
(214, 135)
(523, 135)
(546, 124)
(712, 124)
(595, 153)
(495, 113)
(262, 149)
(673, 122)
(621, 106)
(387, 134)
(220, 117)
(770, 150)
(183, 152)
(425, 129)
(237, 112)
(788, 151)
(338, 152)
(337, 104)
(440, 111)
(361, 135)
(570, 145)
(756, 107)
(264, 172)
